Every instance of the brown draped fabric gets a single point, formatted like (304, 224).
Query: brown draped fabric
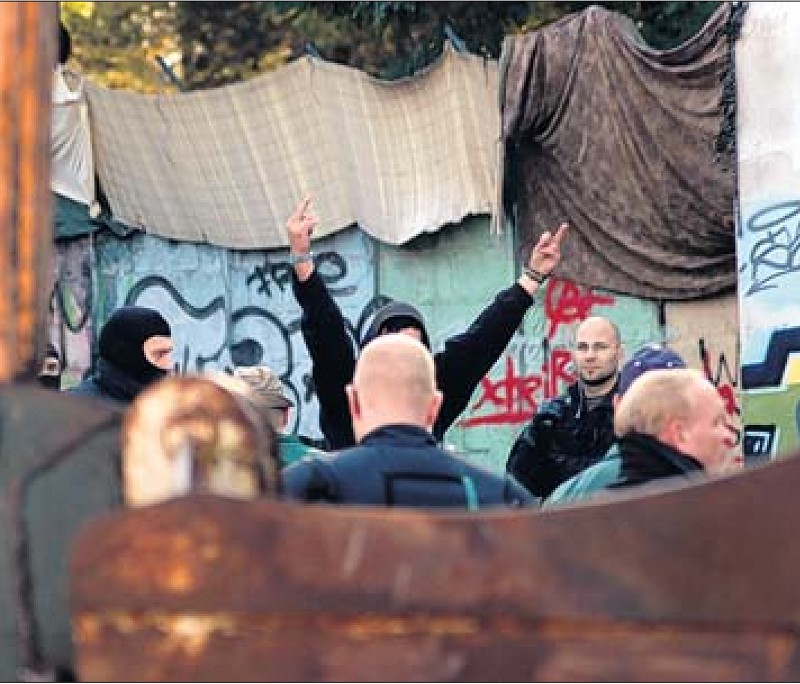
(619, 139)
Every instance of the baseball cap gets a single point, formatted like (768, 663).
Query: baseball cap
(649, 357)
(265, 384)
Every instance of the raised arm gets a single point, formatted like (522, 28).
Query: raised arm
(324, 331)
(467, 357)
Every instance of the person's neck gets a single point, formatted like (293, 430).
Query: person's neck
(594, 391)
(366, 427)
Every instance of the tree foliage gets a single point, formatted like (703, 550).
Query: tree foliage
(135, 45)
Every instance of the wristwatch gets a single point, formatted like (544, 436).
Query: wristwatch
(295, 259)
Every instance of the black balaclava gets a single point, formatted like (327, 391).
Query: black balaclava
(122, 341)
(394, 317)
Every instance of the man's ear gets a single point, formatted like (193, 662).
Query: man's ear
(433, 409)
(673, 433)
(352, 402)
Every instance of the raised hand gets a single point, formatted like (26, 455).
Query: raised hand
(300, 226)
(299, 229)
(546, 255)
(543, 259)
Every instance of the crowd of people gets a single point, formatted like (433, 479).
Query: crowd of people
(384, 412)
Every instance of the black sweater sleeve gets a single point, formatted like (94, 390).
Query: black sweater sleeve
(467, 357)
(332, 354)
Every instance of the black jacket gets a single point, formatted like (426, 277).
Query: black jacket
(644, 459)
(400, 465)
(563, 438)
(110, 383)
(466, 358)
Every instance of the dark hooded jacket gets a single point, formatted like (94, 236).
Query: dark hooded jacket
(400, 465)
(122, 369)
(394, 317)
(562, 439)
(465, 359)
(644, 459)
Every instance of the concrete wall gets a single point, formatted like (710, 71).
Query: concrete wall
(706, 334)
(228, 308)
(769, 232)
(451, 276)
(225, 308)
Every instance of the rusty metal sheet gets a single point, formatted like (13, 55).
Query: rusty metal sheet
(678, 584)
(59, 466)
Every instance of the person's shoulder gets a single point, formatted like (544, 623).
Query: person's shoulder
(487, 477)
(516, 493)
(292, 449)
(593, 479)
(311, 476)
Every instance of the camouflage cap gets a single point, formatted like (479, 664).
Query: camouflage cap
(265, 384)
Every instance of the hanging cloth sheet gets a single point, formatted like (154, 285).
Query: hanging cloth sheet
(619, 140)
(72, 166)
(227, 166)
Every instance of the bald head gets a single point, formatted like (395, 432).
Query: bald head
(598, 326)
(596, 352)
(394, 382)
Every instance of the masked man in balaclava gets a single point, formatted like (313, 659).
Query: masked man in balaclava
(135, 351)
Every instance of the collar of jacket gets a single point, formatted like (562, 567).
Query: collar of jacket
(399, 434)
(645, 458)
(577, 397)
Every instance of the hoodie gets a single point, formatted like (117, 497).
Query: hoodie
(393, 317)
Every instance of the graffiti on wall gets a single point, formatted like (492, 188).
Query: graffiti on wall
(225, 308)
(773, 400)
(770, 274)
(238, 308)
(720, 374)
(775, 250)
(72, 304)
(514, 397)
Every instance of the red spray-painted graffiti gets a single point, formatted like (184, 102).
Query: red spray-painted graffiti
(512, 399)
(723, 379)
(566, 303)
(514, 396)
(725, 382)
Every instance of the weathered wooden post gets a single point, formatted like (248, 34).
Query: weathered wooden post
(27, 54)
(58, 455)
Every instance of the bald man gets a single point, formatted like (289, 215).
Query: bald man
(573, 431)
(465, 359)
(393, 403)
(671, 423)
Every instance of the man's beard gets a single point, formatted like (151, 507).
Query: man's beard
(596, 382)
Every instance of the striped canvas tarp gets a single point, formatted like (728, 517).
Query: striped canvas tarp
(227, 166)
